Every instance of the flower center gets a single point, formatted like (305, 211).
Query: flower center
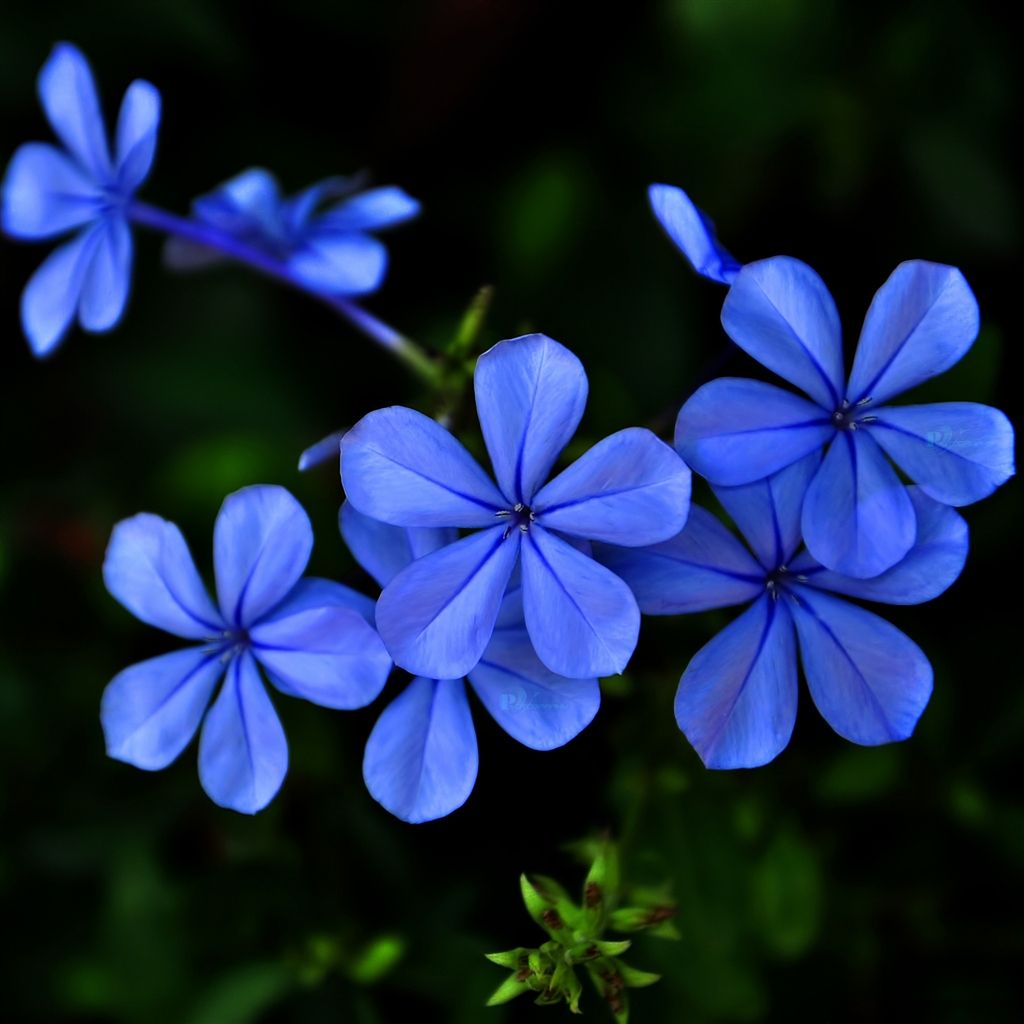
(775, 580)
(232, 642)
(848, 417)
(519, 515)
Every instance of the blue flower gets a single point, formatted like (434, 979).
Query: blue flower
(313, 639)
(48, 192)
(693, 233)
(858, 517)
(421, 758)
(328, 249)
(736, 701)
(437, 615)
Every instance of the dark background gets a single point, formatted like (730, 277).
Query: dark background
(837, 884)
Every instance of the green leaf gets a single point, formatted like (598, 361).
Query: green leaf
(242, 996)
(601, 887)
(514, 958)
(613, 948)
(549, 905)
(609, 983)
(508, 990)
(634, 978)
(468, 333)
(376, 960)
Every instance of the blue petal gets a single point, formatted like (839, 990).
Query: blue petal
(959, 452)
(736, 701)
(327, 449)
(733, 431)
(869, 681)
(857, 518)
(629, 489)
(421, 758)
(437, 615)
(51, 297)
(45, 193)
(152, 710)
(530, 396)
(780, 312)
(703, 567)
(249, 202)
(105, 289)
(297, 211)
(402, 467)
(583, 620)
(137, 126)
(328, 655)
(384, 550)
(340, 263)
(149, 569)
(768, 511)
(261, 544)
(68, 94)
(920, 322)
(313, 592)
(932, 564)
(243, 754)
(372, 210)
(693, 233)
(532, 704)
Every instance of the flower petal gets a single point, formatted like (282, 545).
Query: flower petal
(314, 592)
(371, 210)
(733, 431)
(327, 449)
(51, 297)
(532, 704)
(421, 758)
(243, 753)
(328, 655)
(930, 567)
(45, 193)
(959, 452)
(736, 701)
(583, 620)
(693, 233)
(857, 518)
(261, 544)
(780, 312)
(384, 550)
(869, 681)
(703, 567)
(149, 569)
(768, 511)
(437, 615)
(402, 467)
(920, 322)
(137, 126)
(340, 263)
(530, 396)
(629, 489)
(105, 289)
(246, 204)
(152, 710)
(67, 91)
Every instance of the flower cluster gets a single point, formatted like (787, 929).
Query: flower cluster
(529, 584)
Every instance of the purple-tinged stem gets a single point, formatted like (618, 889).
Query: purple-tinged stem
(402, 348)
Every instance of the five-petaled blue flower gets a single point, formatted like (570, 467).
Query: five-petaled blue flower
(310, 636)
(48, 192)
(326, 248)
(858, 517)
(421, 758)
(737, 699)
(437, 615)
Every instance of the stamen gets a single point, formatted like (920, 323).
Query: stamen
(863, 401)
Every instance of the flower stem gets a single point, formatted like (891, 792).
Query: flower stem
(404, 349)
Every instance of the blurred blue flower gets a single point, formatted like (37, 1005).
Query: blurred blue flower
(421, 758)
(737, 699)
(313, 638)
(437, 615)
(693, 233)
(49, 191)
(858, 517)
(322, 234)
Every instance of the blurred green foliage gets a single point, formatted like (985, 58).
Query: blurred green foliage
(837, 884)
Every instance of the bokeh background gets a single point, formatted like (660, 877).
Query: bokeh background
(837, 884)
